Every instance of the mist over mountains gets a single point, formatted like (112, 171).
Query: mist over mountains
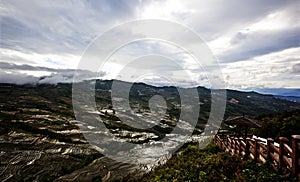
(34, 75)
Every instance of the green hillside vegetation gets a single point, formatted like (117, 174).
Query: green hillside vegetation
(213, 164)
(282, 124)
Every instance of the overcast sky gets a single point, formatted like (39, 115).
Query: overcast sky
(256, 42)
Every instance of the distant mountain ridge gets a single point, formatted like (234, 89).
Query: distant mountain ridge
(293, 92)
(238, 102)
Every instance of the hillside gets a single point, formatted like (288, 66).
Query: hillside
(213, 164)
(37, 125)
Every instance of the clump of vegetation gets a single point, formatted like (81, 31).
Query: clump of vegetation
(282, 124)
(213, 164)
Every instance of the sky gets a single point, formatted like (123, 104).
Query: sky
(255, 42)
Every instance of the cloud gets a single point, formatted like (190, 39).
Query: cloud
(296, 68)
(51, 36)
(273, 70)
(248, 45)
(26, 74)
(274, 31)
(17, 78)
(212, 19)
(58, 27)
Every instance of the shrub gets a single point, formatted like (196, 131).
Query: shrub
(212, 164)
